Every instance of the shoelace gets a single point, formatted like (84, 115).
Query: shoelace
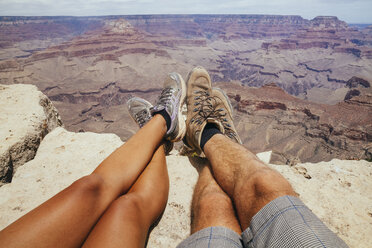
(142, 117)
(205, 108)
(165, 96)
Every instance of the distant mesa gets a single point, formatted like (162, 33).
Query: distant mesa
(327, 32)
(118, 26)
(328, 22)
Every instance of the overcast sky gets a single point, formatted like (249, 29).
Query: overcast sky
(351, 11)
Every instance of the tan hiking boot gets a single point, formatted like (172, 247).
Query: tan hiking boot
(206, 105)
(225, 116)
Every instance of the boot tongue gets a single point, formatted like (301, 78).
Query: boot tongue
(198, 134)
(156, 109)
(217, 123)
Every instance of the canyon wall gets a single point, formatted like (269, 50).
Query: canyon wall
(295, 130)
(89, 76)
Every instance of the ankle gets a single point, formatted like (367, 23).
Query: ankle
(166, 117)
(209, 131)
(160, 126)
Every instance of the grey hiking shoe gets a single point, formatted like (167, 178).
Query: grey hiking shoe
(206, 105)
(140, 111)
(171, 100)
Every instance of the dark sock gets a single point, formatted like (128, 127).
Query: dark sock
(209, 130)
(166, 117)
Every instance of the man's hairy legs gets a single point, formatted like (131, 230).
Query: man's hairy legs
(237, 175)
(210, 204)
(67, 219)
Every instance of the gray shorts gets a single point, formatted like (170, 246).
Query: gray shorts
(284, 222)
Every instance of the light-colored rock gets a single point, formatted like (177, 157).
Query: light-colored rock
(175, 224)
(64, 157)
(339, 192)
(26, 116)
(264, 156)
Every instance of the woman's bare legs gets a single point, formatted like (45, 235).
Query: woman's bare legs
(128, 219)
(66, 219)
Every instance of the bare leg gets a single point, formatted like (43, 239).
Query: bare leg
(247, 180)
(211, 206)
(66, 219)
(127, 221)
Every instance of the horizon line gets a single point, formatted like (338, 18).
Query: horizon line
(157, 14)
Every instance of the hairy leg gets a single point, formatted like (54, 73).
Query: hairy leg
(211, 206)
(66, 219)
(247, 181)
(127, 221)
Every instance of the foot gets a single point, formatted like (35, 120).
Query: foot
(140, 111)
(171, 100)
(225, 114)
(206, 105)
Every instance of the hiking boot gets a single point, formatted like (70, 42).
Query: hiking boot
(206, 105)
(140, 111)
(224, 114)
(171, 100)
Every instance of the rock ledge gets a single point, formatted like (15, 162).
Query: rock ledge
(26, 116)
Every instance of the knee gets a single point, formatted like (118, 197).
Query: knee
(88, 186)
(267, 181)
(129, 207)
(213, 201)
(129, 203)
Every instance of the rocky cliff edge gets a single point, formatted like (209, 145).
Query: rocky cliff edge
(339, 192)
(26, 116)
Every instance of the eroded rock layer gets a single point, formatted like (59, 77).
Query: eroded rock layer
(26, 116)
(295, 130)
(89, 77)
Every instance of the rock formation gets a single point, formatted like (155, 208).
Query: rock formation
(253, 49)
(297, 130)
(89, 77)
(330, 189)
(26, 117)
(219, 26)
(21, 36)
(357, 87)
(329, 33)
